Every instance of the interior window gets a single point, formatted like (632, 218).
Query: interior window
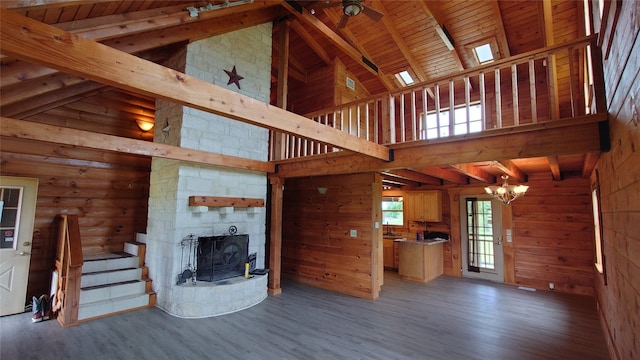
(392, 211)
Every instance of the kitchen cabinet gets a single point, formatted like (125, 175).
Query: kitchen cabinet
(425, 206)
(387, 253)
(390, 253)
(396, 253)
(420, 261)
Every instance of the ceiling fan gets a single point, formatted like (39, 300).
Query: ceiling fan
(351, 8)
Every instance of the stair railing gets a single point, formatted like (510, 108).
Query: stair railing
(68, 266)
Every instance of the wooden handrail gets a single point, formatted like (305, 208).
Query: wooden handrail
(69, 261)
(505, 93)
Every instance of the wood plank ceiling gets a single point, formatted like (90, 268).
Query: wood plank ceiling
(411, 36)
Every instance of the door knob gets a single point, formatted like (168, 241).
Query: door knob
(23, 253)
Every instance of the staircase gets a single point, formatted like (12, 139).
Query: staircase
(115, 282)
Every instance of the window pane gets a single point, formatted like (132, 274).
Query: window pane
(392, 211)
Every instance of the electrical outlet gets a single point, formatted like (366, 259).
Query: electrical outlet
(353, 233)
(376, 225)
(551, 286)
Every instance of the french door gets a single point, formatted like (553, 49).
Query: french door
(481, 230)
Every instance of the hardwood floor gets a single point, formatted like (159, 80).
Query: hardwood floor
(448, 318)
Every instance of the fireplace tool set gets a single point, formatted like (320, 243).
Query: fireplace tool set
(189, 272)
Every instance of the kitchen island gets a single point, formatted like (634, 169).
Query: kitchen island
(420, 261)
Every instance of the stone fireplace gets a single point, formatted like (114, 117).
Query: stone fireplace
(221, 257)
(172, 182)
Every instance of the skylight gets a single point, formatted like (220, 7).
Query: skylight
(405, 78)
(483, 53)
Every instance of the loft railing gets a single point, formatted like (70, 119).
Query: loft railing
(68, 266)
(561, 81)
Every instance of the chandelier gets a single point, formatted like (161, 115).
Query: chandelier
(506, 193)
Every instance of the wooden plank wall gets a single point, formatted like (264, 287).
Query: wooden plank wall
(552, 230)
(108, 191)
(619, 173)
(325, 88)
(317, 248)
(553, 235)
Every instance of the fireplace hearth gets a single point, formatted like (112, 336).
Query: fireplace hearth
(221, 257)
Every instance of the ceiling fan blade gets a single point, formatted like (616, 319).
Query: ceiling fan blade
(343, 21)
(372, 13)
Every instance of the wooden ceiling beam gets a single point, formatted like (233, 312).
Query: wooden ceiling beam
(19, 129)
(474, 172)
(554, 165)
(399, 40)
(313, 44)
(590, 162)
(502, 35)
(133, 43)
(36, 42)
(304, 16)
(563, 137)
(445, 174)
(436, 21)
(413, 176)
(509, 168)
(387, 178)
(38, 95)
(352, 38)
(38, 87)
(29, 4)
(119, 25)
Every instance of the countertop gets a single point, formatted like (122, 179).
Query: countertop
(423, 242)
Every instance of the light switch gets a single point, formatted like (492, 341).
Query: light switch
(376, 225)
(353, 233)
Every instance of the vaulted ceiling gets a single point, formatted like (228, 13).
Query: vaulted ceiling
(428, 39)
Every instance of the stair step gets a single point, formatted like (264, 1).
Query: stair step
(110, 306)
(111, 291)
(109, 261)
(110, 276)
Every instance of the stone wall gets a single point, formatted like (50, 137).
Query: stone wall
(172, 182)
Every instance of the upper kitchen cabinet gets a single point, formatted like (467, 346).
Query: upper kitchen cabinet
(424, 206)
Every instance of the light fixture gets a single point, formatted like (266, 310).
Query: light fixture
(351, 7)
(506, 193)
(144, 125)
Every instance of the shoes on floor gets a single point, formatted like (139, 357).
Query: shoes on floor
(41, 309)
(46, 307)
(36, 310)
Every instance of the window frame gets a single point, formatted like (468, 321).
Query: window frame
(401, 211)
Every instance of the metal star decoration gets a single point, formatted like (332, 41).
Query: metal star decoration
(234, 77)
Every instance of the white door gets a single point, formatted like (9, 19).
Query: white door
(18, 202)
(481, 222)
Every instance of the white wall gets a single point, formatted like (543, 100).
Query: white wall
(172, 182)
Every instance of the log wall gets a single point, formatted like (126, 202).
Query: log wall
(317, 248)
(619, 178)
(108, 191)
(553, 235)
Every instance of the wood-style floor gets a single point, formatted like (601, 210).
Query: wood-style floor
(448, 318)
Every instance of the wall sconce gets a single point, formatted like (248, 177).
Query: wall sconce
(322, 190)
(144, 125)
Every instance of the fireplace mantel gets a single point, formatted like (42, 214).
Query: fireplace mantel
(218, 201)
